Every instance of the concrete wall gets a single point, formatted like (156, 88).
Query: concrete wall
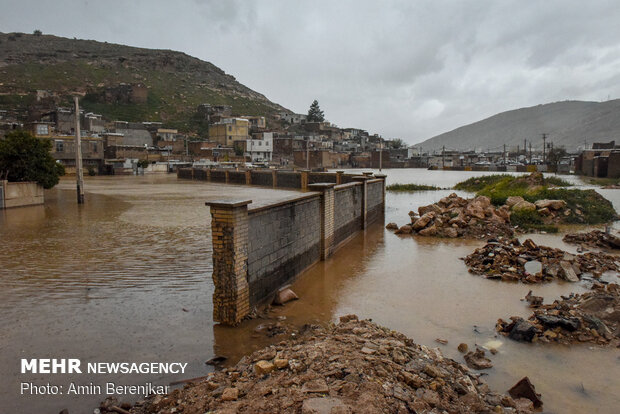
(256, 251)
(21, 194)
(283, 241)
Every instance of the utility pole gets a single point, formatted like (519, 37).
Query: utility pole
(530, 152)
(308, 154)
(525, 147)
(79, 173)
(380, 153)
(443, 158)
(544, 137)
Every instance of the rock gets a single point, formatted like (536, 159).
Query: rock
(441, 341)
(347, 318)
(429, 231)
(525, 389)
(534, 301)
(544, 212)
(330, 405)
(522, 330)
(263, 367)
(451, 232)
(280, 363)
(462, 348)
(550, 204)
(413, 380)
(550, 321)
(477, 360)
(406, 229)
(283, 296)
(431, 208)
(513, 200)
(392, 226)
(533, 267)
(567, 272)
(423, 221)
(315, 386)
(230, 394)
(524, 206)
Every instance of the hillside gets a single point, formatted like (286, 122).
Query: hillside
(567, 124)
(175, 82)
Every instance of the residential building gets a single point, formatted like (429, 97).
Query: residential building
(260, 147)
(229, 130)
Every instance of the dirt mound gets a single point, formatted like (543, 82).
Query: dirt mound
(454, 216)
(527, 262)
(592, 317)
(594, 238)
(354, 367)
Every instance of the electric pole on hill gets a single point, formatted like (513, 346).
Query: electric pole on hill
(544, 137)
(79, 173)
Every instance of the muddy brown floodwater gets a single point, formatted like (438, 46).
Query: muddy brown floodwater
(127, 277)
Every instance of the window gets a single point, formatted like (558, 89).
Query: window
(95, 149)
(60, 146)
(42, 130)
(229, 128)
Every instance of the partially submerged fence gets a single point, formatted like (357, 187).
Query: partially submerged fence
(258, 250)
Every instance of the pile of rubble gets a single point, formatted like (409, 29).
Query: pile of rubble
(454, 216)
(591, 317)
(551, 210)
(527, 262)
(595, 238)
(353, 367)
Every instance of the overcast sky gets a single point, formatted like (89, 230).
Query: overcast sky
(406, 69)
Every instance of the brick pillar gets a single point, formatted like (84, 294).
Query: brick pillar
(327, 216)
(192, 170)
(208, 174)
(367, 174)
(382, 177)
(274, 178)
(304, 179)
(226, 176)
(229, 230)
(339, 177)
(248, 177)
(363, 179)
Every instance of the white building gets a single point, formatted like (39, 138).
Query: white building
(260, 147)
(293, 118)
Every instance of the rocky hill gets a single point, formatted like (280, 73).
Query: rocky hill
(566, 124)
(171, 84)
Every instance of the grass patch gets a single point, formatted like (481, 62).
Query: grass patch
(528, 220)
(476, 184)
(600, 181)
(411, 187)
(595, 208)
(556, 181)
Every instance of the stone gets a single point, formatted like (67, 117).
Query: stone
(431, 208)
(451, 232)
(522, 330)
(315, 386)
(429, 231)
(513, 200)
(433, 371)
(230, 394)
(550, 204)
(284, 295)
(525, 389)
(406, 229)
(544, 212)
(423, 221)
(567, 272)
(462, 348)
(280, 363)
(348, 318)
(483, 201)
(392, 226)
(263, 367)
(524, 206)
(477, 360)
(550, 321)
(533, 267)
(319, 405)
(413, 380)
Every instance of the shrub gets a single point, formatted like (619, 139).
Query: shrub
(411, 187)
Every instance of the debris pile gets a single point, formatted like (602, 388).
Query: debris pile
(594, 238)
(454, 216)
(511, 260)
(591, 317)
(353, 367)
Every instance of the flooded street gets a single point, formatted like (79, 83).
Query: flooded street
(127, 277)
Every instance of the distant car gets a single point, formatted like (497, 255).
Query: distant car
(483, 163)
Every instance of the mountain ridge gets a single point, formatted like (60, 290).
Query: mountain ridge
(566, 123)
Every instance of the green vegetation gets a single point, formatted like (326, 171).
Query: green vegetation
(314, 113)
(582, 206)
(411, 187)
(600, 181)
(26, 158)
(529, 220)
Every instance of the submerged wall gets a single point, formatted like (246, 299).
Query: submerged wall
(20, 194)
(257, 251)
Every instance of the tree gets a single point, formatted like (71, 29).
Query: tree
(398, 143)
(37, 32)
(555, 155)
(26, 158)
(314, 113)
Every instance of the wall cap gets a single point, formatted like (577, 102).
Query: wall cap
(321, 186)
(228, 203)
